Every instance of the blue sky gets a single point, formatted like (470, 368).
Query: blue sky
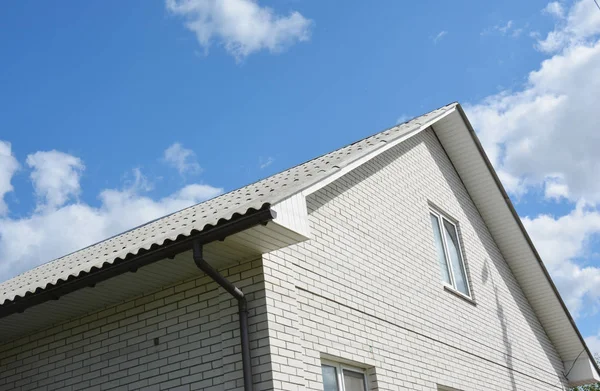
(114, 113)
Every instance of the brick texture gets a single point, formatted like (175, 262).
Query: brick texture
(184, 337)
(367, 289)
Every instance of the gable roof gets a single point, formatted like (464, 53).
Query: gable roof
(270, 190)
(466, 154)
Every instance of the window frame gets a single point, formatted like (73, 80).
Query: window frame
(339, 373)
(441, 218)
(446, 388)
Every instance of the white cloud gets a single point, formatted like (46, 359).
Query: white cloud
(241, 26)
(183, 159)
(504, 29)
(8, 166)
(508, 28)
(439, 36)
(555, 188)
(575, 27)
(593, 342)
(555, 9)
(560, 242)
(55, 177)
(123, 209)
(546, 136)
(550, 128)
(264, 163)
(68, 225)
(28, 241)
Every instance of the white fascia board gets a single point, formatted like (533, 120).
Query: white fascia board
(292, 214)
(358, 162)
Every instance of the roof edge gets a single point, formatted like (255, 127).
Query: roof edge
(524, 231)
(351, 165)
(143, 258)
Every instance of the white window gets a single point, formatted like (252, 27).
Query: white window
(449, 253)
(339, 377)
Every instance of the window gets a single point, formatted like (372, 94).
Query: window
(449, 253)
(339, 377)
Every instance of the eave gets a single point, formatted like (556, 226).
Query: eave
(242, 238)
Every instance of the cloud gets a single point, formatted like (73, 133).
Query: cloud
(184, 160)
(504, 29)
(439, 36)
(544, 138)
(242, 27)
(578, 26)
(561, 242)
(555, 9)
(264, 163)
(555, 188)
(55, 177)
(593, 342)
(547, 134)
(8, 166)
(48, 233)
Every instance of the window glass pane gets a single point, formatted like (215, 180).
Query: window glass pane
(460, 279)
(354, 381)
(330, 382)
(437, 238)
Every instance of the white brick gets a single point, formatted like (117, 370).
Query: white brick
(114, 348)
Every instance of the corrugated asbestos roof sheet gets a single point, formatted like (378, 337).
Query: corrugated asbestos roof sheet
(269, 190)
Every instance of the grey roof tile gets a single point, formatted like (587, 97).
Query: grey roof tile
(269, 190)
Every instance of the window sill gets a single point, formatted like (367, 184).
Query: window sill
(461, 295)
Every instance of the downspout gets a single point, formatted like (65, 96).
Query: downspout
(242, 306)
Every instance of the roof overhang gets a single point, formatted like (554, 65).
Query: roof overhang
(466, 153)
(239, 239)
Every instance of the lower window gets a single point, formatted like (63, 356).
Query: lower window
(340, 377)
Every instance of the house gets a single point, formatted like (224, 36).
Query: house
(395, 263)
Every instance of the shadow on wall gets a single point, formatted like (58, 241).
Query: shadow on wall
(497, 265)
(485, 276)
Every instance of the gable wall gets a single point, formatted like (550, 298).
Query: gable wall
(196, 325)
(367, 287)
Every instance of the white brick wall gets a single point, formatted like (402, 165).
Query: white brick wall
(196, 324)
(367, 288)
